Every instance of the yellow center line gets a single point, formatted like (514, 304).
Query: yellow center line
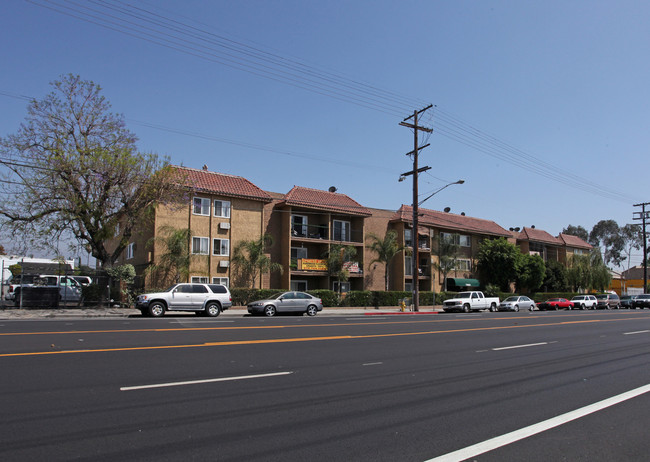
(303, 339)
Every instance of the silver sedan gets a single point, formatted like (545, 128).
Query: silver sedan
(515, 303)
(287, 302)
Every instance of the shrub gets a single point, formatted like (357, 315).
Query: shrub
(358, 298)
(329, 297)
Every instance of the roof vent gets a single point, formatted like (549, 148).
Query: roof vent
(332, 189)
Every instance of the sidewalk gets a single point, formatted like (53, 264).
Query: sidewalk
(16, 313)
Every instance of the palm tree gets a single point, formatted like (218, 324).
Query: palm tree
(337, 256)
(251, 260)
(174, 263)
(447, 253)
(385, 249)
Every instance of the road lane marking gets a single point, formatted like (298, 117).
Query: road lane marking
(519, 346)
(299, 339)
(372, 364)
(509, 438)
(195, 382)
(637, 332)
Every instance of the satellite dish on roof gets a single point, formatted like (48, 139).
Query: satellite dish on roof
(447, 209)
(532, 226)
(462, 214)
(332, 189)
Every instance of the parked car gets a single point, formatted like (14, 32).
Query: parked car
(515, 303)
(69, 289)
(627, 301)
(207, 299)
(608, 301)
(585, 302)
(287, 302)
(641, 301)
(471, 301)
(13, 282)
(83, 280)
(556, 304)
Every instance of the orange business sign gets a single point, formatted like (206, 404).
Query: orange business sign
(310, 264)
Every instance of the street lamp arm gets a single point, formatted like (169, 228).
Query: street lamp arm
(436, 192)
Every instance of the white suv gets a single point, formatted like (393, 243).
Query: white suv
(584, 302)
(207, 299)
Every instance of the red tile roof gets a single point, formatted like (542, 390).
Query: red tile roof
(574, 241)
(325, 200)
(222, 184)
(537, 235)
(450, 221)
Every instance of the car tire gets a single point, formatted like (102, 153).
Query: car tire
(312, 310)
(516, 308)
(156, 310)
(269, 311)
(212, 310)
(555, 307)
(493, 308)
(466, 308)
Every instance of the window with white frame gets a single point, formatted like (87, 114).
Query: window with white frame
(222, 281)
(299, 225)
(200, 245)
(130, 251)
(463, 264)
(201, 206)
(199, 280)
(220, 246)
(408, 265)
(222, 209)
(408, 235)
(341, 230)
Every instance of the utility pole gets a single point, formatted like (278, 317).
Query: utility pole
(642, 215)
(414, 235)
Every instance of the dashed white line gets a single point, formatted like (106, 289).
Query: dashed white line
(519, 346)
(508, 438)
(372, 364)
(637, 332)
(195, 382)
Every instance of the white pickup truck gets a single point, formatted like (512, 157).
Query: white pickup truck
(471, 301)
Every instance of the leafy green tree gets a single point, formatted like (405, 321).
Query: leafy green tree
(578, 231)
(386, 249)
(251, 260)
(606, 234)
(531, 272)
(588, 272)
(174, 262)
(447, 253)
(555, 278)
(72, 171)
(337, 256)
(497, 262)
(633, 237)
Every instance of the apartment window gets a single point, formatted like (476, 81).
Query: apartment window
(222, 209)
(341, 230)
(220, 246)
(408, 265)
(299, 225)
(130, 251)
(201, 206)
(298, 252)
(461, 240)
(199, 280)
(408, 235)
(222, 281)
(299, 286)
(341, 287)
(200, 245)
(578, 252)
(463, 264)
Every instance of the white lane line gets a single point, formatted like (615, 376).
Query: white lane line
(519, 346)
(197, 322)
(372, 364)
(508, 438)
(194, 382)
(637, 332)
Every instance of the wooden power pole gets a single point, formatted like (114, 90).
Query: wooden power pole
(414, 235)
(643, 215)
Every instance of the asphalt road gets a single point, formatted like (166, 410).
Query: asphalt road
(393, 388)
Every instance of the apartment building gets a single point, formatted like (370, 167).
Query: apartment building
(535, 241)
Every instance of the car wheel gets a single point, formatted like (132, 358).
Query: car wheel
(269, 310)
(582, 306)
(156, 309)
(466, 308)
(312, 310)
(555, 307)
(493, 308)
(213, 310)
(516, 307)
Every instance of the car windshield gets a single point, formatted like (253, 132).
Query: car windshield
(169, 289)
(464, 295)
(511, 299)
(277, 296)
(601, 297)
(555, 300)
(579, 297)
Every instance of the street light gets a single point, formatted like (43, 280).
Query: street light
(436, 192)
(414, 239)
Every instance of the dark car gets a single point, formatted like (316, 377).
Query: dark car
(555, 304)
(608, 301)
(287, 302)
(641, 301)
(627, 301)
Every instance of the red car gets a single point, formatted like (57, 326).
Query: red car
(555, 304)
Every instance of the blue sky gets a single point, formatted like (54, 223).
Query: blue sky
(541, 107)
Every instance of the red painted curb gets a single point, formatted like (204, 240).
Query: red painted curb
(400, 313)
